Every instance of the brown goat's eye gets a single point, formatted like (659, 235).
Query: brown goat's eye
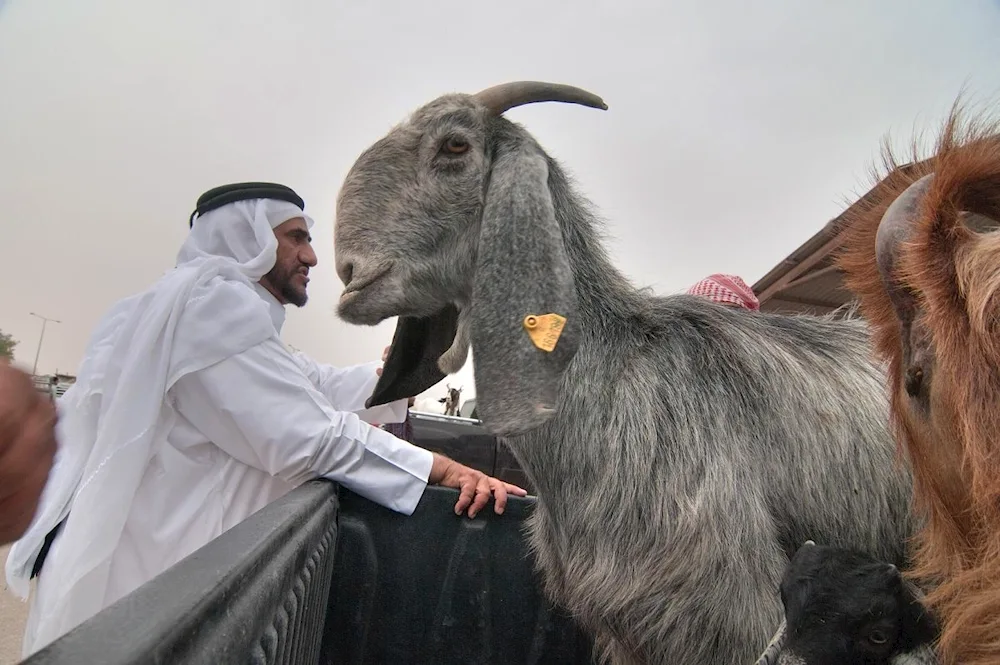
(456, 146)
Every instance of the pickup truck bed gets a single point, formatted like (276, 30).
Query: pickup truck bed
(326, 576)
(469, 442)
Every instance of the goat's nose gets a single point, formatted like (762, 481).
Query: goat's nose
(346, 271)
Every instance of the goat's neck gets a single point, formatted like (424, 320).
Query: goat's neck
(606, 309)
(605, 297)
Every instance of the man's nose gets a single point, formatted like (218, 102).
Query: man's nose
(308, 257)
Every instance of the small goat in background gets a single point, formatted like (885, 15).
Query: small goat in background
(451, 401)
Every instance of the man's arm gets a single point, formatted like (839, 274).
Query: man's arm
(347, 388)
(260, 408)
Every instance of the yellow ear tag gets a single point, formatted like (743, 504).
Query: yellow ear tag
(544, 329)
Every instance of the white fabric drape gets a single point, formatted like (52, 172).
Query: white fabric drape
(197, 314)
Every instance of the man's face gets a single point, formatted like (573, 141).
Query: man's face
(288, 278)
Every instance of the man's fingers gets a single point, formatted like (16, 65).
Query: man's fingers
(18, 398)
(24, 471)
(27, 448)
(33, 445)
(476, 488)
(465, 497)
(18, 509)
(482, 495)
(15, 519)
(499, 496)
(515, 490)
(385, 356)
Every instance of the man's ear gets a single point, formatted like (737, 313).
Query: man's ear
(525, 325)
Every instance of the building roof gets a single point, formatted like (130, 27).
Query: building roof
(807, 281)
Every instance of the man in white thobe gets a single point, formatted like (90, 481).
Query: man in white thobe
(189, 415)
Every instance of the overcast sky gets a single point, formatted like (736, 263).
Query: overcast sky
(736, 129)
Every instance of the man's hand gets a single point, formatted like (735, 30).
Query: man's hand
(378, 371)
(385, 356)
(474, 486)
(27, 450)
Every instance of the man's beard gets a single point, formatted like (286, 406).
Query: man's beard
(282, 281)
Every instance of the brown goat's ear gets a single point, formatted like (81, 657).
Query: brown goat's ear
(525, 322)
(412, 366)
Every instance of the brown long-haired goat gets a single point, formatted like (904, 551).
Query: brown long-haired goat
(923, 256)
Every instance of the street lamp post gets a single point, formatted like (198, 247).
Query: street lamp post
(34, 370)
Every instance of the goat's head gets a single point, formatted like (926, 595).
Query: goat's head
(448, 222)
(842, 606)
(923, 256)
(940, 269)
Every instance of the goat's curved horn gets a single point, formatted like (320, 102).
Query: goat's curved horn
(893, 230)
(506, 96)
(774, 647)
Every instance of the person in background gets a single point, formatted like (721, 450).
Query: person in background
(189, 415)
(727, 290)
(27, 449)
(403, 430)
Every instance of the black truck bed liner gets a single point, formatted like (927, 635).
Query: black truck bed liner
(325, 576)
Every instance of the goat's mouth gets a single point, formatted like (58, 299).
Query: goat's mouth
(412, 365)
(359, 284)
(358, 301)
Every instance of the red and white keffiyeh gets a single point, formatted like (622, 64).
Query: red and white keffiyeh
(727, 290)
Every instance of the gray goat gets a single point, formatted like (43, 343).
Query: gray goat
(681, 450)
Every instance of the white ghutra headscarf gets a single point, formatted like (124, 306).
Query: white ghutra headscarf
(116, 414)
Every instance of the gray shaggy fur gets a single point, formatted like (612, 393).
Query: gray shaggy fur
(682, 450)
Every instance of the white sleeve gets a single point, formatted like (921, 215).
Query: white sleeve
(347, 388)
(260, 408)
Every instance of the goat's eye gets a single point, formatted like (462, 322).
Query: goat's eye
(456, 146)
(877, 637)
(914, 380)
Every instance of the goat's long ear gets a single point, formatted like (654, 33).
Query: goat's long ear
(412, 365)
(525, 322)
